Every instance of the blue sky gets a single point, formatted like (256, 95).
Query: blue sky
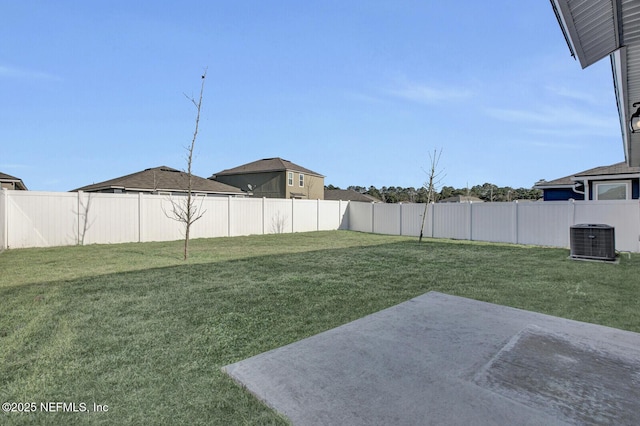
(359, 91)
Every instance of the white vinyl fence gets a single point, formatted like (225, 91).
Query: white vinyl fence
(45, 219)
(536, 223)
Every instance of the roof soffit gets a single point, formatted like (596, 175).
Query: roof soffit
(591, 27)
(597, 28)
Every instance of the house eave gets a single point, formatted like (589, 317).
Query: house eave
(562, 186)
(256, 172)
(581, 178)
(17, 184)
(148, 190)
(596, 29)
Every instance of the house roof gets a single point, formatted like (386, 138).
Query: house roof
(348, 195)
(614, 170)
(266, 165)
(596, 29)
(162, 178)
(462, 199)
(562, 182)
(16, 181)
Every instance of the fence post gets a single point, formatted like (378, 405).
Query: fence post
(140, 207)
(400, 218)
(470, 224)
(263, 214)
(515, 222)
(572, 212)
(571, 219)
(229, 216)
(292, 216)
(373, 218)
(78, 205)
(318, 214)
(4, 218)
(433, 218)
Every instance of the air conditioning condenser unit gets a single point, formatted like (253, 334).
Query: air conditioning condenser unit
(593, 241)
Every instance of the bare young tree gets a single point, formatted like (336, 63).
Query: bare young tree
(83, 216)
(435, 178)
(187, 211)
(310, 184)
(278, 223)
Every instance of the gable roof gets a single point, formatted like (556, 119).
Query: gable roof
(348, 195)
(162, 178)
(16, 181)
(613, 171)
(266, 165)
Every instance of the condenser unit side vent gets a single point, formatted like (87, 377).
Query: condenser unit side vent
(593, 241)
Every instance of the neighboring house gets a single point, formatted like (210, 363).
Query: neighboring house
(162, 180)
(349, 195)
(461, 199)
(11, 182)
(274, 178)
(615, 182)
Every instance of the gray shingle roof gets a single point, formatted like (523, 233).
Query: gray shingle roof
(162, 178)
(461, 199)
(563, 181)
(16, 181)
(276, 164)
(613, 169)
(348, 195)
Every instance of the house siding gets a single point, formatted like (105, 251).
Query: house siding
(561, 194)
(268, 185)
(313, 188)
(564, 194)
(275, 184)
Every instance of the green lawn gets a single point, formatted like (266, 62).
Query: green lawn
(134, 327)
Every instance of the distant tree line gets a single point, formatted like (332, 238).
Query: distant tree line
(487, 192)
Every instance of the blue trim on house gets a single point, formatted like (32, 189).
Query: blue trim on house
(564, 194)
(561, 194)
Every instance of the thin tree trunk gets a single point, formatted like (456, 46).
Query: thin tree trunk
(190, 211)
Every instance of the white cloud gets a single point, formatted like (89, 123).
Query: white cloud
(575, 95)
(8, 166)
(13, 72)
(555, 145)
(558, 120)
(429, 94)
(361, 97)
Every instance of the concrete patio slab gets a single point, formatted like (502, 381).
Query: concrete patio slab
(445, 360)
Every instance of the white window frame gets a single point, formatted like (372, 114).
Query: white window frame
(626, 183)
(290, 178)
(301, 180)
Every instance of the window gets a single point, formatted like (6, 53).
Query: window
(290, 178)
(612, 191)
(301, 180)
